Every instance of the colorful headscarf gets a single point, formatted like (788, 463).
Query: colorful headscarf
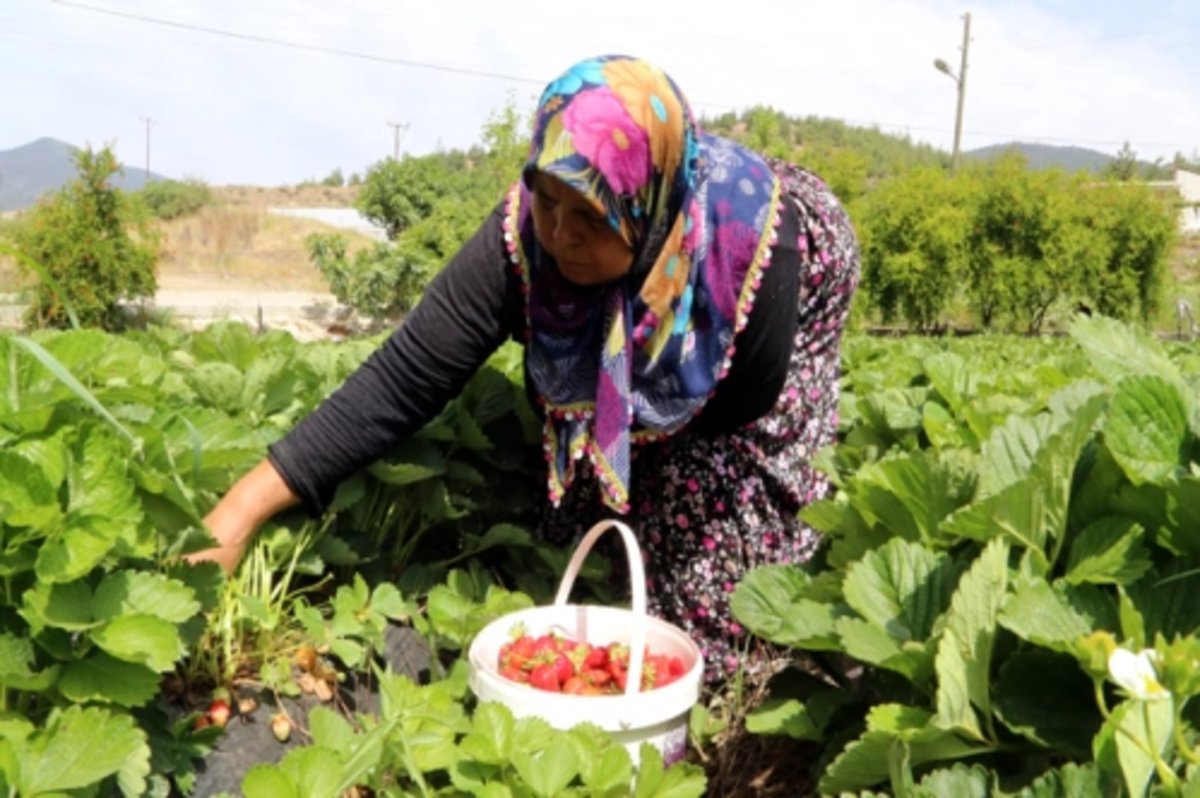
(636, 358)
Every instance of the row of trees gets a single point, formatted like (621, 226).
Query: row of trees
(1002, 242)
(1010, 244)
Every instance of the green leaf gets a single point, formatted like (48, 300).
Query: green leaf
(922, 487)
(549, 773)
(76, 550)
(500, 535)
(60, 606)
(964, 655)
(28, 497)
(1168, 604)
(130, 592)
(1118, 747)
(316, 769)
(944, 430)
(100, 677)
(1117, 350)
(1070, 781)
(412, 461)
(63, 375)
(490, 740)
(1181, 532)
(771, 602)
(268, 781)
(952, 378)
(902, 588)
(1008, 455)
(611, 770)
(531, 734)
(1017, 512)
(141, 638)
(1047, 698)
(1148, 430)
(959, 781)
(653, 781)
(783, 716)
(873, 645)
(864, 763)
(77, 749)
(1108, 551)
(1036, 612)
(331, 730)
(218, 385)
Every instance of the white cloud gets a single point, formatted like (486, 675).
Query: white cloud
(236, 111)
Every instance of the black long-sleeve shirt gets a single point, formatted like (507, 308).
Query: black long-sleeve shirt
(467, 312)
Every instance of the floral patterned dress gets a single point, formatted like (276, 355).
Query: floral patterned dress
(707, 509)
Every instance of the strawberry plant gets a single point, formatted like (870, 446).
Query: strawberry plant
(983, 592)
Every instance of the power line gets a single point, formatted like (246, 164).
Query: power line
(314, 48)
(532, 81)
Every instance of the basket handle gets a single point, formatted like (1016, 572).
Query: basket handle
(637, 577)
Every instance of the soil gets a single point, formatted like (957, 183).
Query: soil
(249, 741)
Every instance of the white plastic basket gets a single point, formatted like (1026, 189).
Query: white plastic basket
(659, 717)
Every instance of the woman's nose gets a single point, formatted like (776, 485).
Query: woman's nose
(566, 231)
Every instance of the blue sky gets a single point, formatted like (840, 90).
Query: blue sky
(234, 111)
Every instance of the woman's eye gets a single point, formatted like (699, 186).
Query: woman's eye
(546, 202)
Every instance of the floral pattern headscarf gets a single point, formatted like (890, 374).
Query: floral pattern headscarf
(636, 358)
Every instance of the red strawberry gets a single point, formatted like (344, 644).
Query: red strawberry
(618, 654)
(564, 667)
(546, 645)
(597, 676)
(596, 658)
(519, 653)
(654, 672)
(514, 674)
(545, 677)
(675, 667)
(218, 713)
(574, 686)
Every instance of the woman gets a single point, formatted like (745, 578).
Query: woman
(681, 301)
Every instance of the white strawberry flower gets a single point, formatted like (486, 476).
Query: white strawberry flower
(1135, 674)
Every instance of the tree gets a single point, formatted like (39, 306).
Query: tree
(1125, 166)
(913, 242)
(98, 246)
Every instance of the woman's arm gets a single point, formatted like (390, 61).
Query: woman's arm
(466, 313)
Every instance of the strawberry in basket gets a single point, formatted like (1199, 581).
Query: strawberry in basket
(555, 664)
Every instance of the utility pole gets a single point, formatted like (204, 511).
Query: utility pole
(397, 128)
(149, 123)
(961, 80)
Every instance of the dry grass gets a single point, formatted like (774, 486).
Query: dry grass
(307, 196)
(228, 245)
(235, 243)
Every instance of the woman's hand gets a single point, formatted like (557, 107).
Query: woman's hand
(251, 501)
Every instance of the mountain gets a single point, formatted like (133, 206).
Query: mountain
(1046, 156)
(29, 171)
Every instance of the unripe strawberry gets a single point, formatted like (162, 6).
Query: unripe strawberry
(281, 727)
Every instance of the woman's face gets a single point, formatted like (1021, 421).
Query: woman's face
(587, 250)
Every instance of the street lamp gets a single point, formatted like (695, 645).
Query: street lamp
(960, 80)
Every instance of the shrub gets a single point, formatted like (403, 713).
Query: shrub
(94, 244)
(171, 199)
(382, 282)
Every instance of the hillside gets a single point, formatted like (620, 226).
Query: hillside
(29, 171)
(1046, 156)
(883, 153)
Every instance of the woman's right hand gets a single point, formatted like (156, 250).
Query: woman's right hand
(252, 500)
